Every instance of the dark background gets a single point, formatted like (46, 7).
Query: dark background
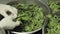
(39, 32)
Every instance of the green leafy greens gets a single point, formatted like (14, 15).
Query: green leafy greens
(54, 25)
(30, 16)
(55, 6)
(54, 21)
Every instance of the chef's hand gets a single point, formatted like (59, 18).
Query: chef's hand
(9, 13)
(8, 23)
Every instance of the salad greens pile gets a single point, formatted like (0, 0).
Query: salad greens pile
(30, 16)
(54, 20)
(54, 25)
(55, 6)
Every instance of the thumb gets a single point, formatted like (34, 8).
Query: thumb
(17, 23)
